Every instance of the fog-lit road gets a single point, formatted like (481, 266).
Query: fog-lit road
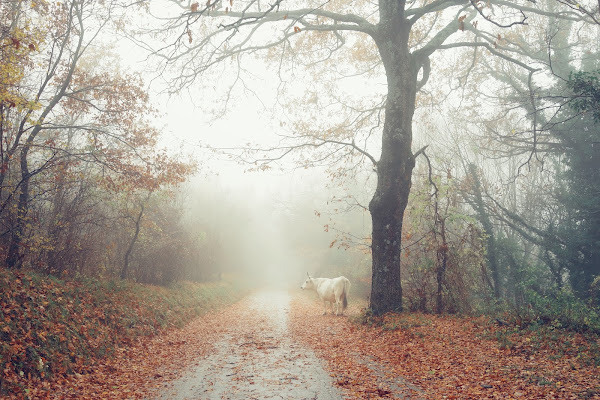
(257, 358)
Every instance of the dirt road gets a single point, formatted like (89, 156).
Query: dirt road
(256, 357)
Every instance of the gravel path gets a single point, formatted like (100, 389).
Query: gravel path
(256, 358)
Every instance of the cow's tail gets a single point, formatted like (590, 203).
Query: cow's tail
(345, 294)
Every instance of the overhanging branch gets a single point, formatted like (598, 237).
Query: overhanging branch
(489, 48)
(491, 20)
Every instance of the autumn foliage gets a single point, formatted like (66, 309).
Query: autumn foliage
(79, 151)
(55, 330)
(86, 339)
(449, 357)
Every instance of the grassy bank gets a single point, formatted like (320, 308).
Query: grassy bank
(51, 327)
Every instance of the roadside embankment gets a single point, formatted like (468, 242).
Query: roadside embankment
(51, 329)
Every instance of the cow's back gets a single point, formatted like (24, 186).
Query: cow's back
(325, 289)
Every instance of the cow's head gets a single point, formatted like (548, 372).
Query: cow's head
(308, 283)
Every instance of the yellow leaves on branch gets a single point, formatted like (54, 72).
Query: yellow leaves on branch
(14, 58)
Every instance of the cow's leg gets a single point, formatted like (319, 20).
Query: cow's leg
(325, 307)
(336, 304)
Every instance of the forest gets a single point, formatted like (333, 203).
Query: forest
(443, 155)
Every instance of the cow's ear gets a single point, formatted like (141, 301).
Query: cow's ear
(307, 274)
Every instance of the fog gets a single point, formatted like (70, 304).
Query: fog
(277, 218)
(219, 141)
(271, 225)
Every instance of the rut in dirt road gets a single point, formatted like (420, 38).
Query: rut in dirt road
(256, 358)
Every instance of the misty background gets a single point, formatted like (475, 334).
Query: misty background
(132, 154)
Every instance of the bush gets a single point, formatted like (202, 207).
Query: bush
(560, 309)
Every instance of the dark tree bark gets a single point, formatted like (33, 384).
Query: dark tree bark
(125, 268)
(14, 257)
(394, 168)
(442, 259)
(138, 226)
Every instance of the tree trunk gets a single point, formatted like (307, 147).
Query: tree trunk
(14, 258)
(125, 268)
(442, 259)
(488, 230)
(394, 168)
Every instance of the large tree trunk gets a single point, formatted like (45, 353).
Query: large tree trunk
(394, 169)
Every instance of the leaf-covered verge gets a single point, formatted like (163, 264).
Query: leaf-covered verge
(449, 357)
(53, 329)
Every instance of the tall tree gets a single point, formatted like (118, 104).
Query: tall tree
(405, 34)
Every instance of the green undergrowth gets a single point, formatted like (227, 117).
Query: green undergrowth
(51, 326)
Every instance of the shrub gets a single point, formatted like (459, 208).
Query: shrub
(560, 309)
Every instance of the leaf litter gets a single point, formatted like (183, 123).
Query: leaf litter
(447, 357)
(402, 356)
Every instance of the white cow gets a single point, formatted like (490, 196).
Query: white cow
(330, 291)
